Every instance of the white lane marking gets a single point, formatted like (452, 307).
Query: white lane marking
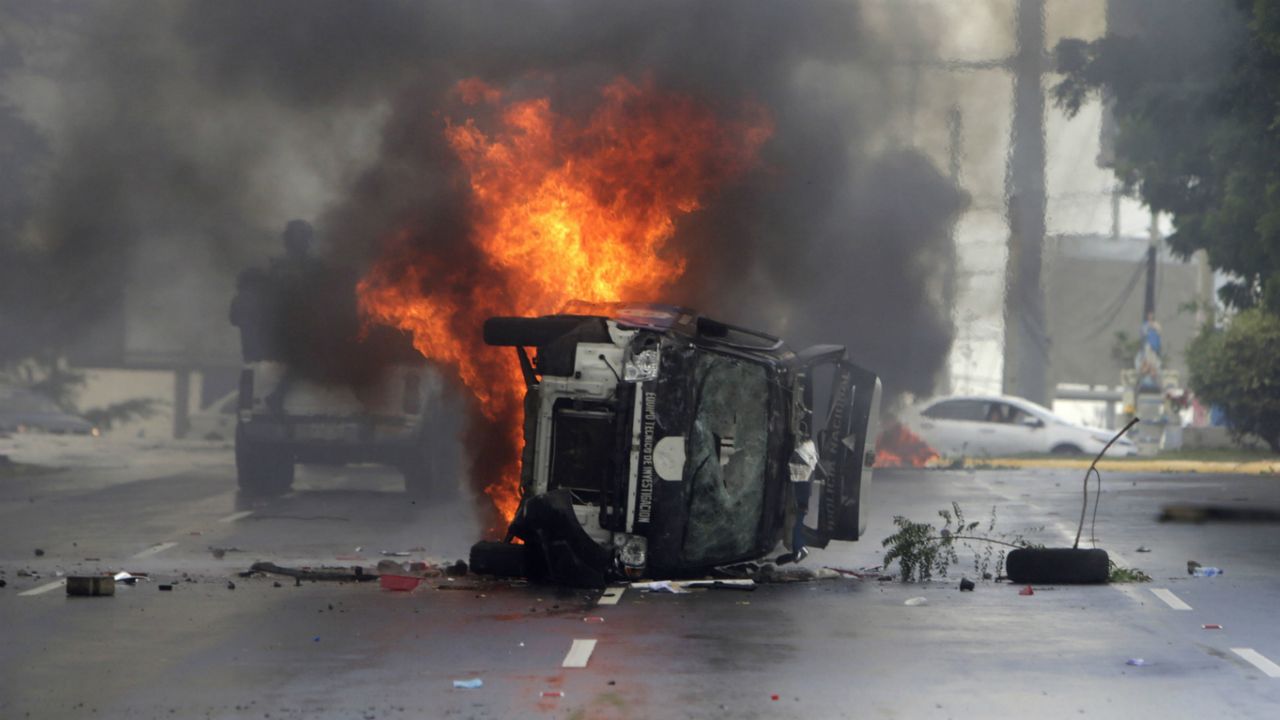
(611, 595)
(1170, 599)
(236, 516)
(1258, 660)
(579, 653)
(154, 550)
(43, 588)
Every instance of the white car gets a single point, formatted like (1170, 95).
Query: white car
(995, 425)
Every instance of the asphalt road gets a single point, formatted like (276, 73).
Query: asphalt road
(821, 649)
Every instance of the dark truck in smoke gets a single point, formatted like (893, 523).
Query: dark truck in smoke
(320, 387)
(660, 443)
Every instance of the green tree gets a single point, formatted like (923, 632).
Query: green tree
(1238, 368)
(1196, 99)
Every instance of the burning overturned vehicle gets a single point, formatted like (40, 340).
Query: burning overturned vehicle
(658, 442)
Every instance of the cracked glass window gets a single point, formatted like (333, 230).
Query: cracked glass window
(726, 458)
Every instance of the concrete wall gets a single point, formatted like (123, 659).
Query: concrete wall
(106, 386)
(1086, 278)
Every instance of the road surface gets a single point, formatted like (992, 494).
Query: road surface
(270, 648)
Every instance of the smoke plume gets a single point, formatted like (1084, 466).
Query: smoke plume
(183, 135)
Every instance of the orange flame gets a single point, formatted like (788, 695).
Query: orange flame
(561, 210)
(899, 447)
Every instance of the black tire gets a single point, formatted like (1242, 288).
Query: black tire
(1067, 449)
(1057, 566)
(527, 332)
(500, 559)
(261, 469)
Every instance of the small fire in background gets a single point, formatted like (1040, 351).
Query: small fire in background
(899, 447)
(561, 209)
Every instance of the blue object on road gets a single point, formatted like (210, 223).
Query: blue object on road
(471, 684)
(1207, 571)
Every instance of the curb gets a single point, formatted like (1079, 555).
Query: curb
(1154, 465)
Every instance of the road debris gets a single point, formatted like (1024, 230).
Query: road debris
(916, 601)
(1027, 591)
(738, 584)
(391, 567)
(867, 573)
(231, 585)
(91, 586)
(1203, 571)
(552, 693)
(593, 619)
(468, 684)
(39, 552)
(324, 574)
(768, 572)
(1211, 626)
(165, 588)
(220, 552)
(1218, 513)
(683, 586)
(966, 585)
(659, 586)
(130, 578)
(1136, 662)
(1143, 549)
(1192, 566)
(399, 583)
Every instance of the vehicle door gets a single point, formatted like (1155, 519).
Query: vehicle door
(1003, 430)
(838, 406)
(956, 427)
(1022, 432)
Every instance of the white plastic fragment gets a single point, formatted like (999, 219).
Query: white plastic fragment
(660, 586)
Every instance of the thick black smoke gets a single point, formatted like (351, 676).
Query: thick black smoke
(185, 134)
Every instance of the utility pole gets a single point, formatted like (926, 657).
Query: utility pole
(1204, 290)
(1026, 342)
(1149, 298)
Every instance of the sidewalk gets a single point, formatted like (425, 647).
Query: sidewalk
(1143, 465)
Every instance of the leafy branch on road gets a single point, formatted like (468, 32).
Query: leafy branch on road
(923, 550)
(1119, 574)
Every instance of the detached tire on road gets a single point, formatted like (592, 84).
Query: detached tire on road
(260, 469)
(500, 559)
(1057, 566)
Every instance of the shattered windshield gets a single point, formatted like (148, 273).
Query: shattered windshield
(726, 457)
